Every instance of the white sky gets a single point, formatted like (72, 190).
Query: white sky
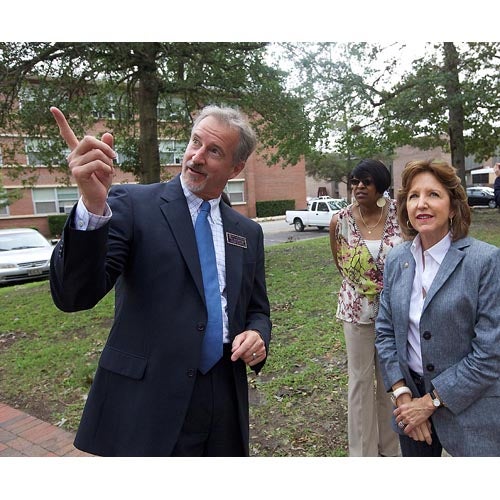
(264, 20)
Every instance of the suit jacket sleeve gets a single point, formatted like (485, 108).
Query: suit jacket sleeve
(82, 272)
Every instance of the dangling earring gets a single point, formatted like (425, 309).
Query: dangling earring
(408, 225)
(381, 202)
(451, 221)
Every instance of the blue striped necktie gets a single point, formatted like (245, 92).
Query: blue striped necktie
(211, 350)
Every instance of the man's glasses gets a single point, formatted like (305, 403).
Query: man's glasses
(366, 182)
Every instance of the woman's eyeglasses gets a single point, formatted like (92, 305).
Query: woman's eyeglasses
(366, 182)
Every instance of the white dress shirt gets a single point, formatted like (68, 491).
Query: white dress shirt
(427, 265)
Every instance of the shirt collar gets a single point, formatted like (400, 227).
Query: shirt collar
(194, 203)
(437, 251)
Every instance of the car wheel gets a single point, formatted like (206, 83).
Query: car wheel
(492, 204)
(299, 226)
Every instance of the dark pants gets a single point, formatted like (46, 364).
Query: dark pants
(211, 427)
(412, 448)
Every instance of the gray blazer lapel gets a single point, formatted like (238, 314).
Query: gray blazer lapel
(449, 264)
(407, 265)
(176, 212)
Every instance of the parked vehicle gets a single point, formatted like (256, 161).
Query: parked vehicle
(318, 213)
(481, 196)
(24, 255)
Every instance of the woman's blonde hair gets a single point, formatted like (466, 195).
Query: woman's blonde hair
(447, 176)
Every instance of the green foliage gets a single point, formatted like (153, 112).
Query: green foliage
(56, 224)
(368, 98)
(8, 196)
(143, 92)
(274, 207)
(329, 166)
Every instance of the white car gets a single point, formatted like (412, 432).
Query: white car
(24, 255)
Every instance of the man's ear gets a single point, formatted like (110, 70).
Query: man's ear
(237, 169)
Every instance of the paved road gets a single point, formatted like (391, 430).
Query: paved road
(278, 231)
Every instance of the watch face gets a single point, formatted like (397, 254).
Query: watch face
(436, 402)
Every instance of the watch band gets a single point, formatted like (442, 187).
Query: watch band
(436, 400)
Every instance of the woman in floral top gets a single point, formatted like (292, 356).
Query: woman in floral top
(361, 235)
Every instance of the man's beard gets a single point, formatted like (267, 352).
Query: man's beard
(194, 187)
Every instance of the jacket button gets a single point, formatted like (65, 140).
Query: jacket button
(190, 373)
(430, 367)
(427, 335)
(200, 327)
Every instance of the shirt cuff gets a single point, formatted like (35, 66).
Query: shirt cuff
(87, 221)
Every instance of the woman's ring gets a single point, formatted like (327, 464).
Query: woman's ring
(401, 425)
(254, 355)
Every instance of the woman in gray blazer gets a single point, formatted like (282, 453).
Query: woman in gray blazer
(438, 327)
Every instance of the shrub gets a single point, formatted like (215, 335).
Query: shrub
(273, 207)
(56, 224)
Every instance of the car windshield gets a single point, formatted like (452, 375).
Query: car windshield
(337, 205)
(19, 241)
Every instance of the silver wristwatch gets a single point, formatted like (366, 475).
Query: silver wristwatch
(435, 399)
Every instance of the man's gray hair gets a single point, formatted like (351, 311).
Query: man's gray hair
(233, 118)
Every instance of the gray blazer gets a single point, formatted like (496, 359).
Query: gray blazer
(460, 341)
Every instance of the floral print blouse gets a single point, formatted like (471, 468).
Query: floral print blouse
(362, 275)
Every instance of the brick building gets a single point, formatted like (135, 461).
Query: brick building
(49, 195)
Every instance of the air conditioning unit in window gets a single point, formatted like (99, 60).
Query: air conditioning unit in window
(67, 209)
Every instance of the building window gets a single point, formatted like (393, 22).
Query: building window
(104, 107)
(171, 110)
(235, 189)
(171, 151)
(480, 178)
(4, 198)
(40, 152)
(54, 200)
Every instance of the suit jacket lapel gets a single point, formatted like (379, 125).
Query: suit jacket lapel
(176, 212)
(234, 259)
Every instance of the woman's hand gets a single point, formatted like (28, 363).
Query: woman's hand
(414, 415)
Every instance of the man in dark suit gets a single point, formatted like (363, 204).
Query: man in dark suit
(149, 396)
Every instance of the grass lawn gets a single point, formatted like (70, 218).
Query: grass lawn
(298, 403)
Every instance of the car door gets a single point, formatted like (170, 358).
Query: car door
(473, 198)
(323, 214)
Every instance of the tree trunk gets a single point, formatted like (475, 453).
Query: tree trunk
(455, 109)
(149, 168)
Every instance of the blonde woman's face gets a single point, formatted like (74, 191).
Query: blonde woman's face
(429, 208)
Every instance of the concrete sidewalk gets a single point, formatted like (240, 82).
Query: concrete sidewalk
(22, 435)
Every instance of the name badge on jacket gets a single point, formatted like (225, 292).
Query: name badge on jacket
(236, 240)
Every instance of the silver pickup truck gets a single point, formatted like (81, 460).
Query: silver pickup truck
(318, 213)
